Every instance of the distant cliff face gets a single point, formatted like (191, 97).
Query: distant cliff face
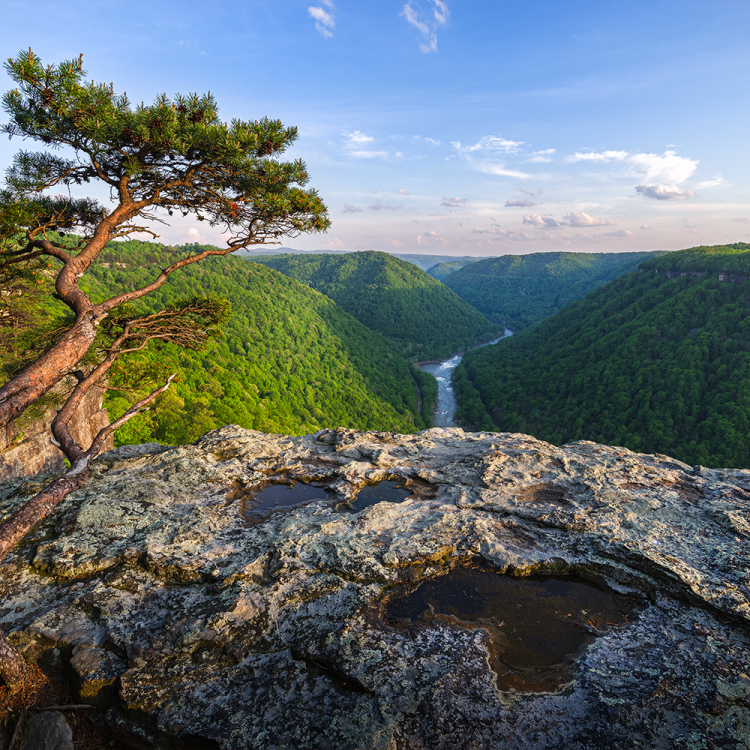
(201, 606)
(25, 447)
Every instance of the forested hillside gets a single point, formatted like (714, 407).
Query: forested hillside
(418, 314)
(290, 359)
(657, 361)
(441, 271)
(520, 291)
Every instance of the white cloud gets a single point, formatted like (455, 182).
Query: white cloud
(195, 235)
(354, 142)
(621, 234)
(584, 220)
(431, 47)
(501, 171)
(453, 202)
(350, 209)
(393, 242)
(668, 168)
(645, 226)
(569, 220)
(664, 192)
(544, 222)
(440, 11)
(539, 157)
(487, 147)
(520, 204)
(718, 180)
(427, 28)
(598, 156)
(324, 22)
(489, 143)
(357, 138)
(401, 191)
(411, 16)
(380, 206)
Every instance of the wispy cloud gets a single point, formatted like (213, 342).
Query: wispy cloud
(324, 21)
(350, 209)
(488, 144)
(531, 192)
(664, 192)
(354, 142)
(743, 220)
(520, 204)
(718, 180)
(426, 24)
(502, 171)
(602, 156)
(401, 191)
(621, 234)
(540, 157)
(453, 202)
(380, 206)
(487, 148)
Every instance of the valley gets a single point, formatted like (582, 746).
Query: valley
(657, 361)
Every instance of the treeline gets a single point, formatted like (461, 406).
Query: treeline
(289, 360)
(653, 363)
(520, 291)
(421, 317)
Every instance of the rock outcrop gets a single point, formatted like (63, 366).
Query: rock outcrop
(25, 447)
(190, 621)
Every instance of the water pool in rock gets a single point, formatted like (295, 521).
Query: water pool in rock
(261, 502)
(538, 626)
(388, 492)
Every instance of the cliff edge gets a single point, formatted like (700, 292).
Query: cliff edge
(194, 613)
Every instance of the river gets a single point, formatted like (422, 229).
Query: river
(446, 399)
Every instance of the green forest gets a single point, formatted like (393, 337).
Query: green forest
(657, 361)
(421, 317)
(441, 271)
(520, 291)
(288, 361)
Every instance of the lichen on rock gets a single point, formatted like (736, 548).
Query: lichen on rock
(187, 626)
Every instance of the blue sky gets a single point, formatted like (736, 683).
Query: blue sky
(455, 127)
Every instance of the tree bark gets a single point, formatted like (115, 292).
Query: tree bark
(38, 377)
(40, 506)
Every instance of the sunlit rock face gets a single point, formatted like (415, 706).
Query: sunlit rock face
(230, 594)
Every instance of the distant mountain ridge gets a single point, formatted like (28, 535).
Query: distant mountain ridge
(418, 314)
(519, 291)
(657, 361)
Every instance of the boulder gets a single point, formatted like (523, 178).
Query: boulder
(192, 619)
(47, 730)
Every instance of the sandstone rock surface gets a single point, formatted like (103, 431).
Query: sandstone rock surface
(189, 624)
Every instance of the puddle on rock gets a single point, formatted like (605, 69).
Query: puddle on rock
(383, 492)
(538, 626)
(263, 501)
